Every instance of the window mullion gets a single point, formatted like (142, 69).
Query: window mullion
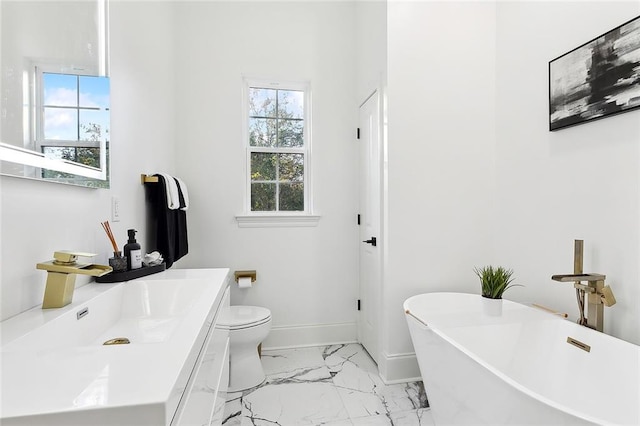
(280, 150)
(66, 143)
(276, 154)
(277, 182)
(78, 109)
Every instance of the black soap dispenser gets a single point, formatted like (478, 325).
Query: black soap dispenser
(133, 252)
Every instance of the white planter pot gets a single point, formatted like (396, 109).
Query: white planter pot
(492, 307)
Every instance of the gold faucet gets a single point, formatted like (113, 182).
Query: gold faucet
(61, 276)
(598, 294)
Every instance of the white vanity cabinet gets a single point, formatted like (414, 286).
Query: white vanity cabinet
(205, 395)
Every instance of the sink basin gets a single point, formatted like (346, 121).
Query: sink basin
(56, 369)
(142, 311)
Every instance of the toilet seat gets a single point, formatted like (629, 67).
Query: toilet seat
(240, 316)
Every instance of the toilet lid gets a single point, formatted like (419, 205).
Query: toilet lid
(244, 316)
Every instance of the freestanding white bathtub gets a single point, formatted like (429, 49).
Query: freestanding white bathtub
(516, 367)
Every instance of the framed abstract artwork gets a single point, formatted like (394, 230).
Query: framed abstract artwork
(596, 80)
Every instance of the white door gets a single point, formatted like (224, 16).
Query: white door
(370, 250)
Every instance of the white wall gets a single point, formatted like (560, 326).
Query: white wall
(39, 218)
(441, 142)
(306, 276)
(371, 48)
(475, 177)
(575, 183)
(371, 76)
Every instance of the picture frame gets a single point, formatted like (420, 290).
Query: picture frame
(597, 79)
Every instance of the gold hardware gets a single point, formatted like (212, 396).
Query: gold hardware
(578, 256)
(584, 288)
(551, 311)
(579, 344)
(417, 319)
(61, 277)
(598, 295)
(148, 179)
(64, 257)
(578, 277)
(77, 268)
(58, 291)
(117, 341)
(244, 274)
(607, 296)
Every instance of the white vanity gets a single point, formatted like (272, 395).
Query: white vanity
(56, 369)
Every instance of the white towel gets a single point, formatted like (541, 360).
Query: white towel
(173, 196)
(185, 193)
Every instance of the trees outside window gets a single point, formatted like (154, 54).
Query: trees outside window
(72, 119)
(278, 147)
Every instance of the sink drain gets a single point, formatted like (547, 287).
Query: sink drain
(117, 341)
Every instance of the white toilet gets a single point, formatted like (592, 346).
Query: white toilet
(248, 326)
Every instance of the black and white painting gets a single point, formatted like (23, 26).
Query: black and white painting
(597, 79)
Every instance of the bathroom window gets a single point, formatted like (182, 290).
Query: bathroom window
(277, 140)
(72, 117)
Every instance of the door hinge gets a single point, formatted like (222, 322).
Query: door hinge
(358, 219)
(358, 133)
(358, 304)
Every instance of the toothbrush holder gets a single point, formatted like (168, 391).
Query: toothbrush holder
(118, 262)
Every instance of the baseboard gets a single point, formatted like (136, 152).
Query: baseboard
(393, 368)
(284, 337)
(399, 368)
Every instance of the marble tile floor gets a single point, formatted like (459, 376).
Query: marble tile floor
(334, 385)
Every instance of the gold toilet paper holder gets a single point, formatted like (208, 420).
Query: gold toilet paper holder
(245, 274)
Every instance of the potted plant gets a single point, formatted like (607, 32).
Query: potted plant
(494, 280)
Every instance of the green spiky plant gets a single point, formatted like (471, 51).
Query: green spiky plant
(495, 280)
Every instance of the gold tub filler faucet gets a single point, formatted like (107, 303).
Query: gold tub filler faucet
(598, 294)
(61, 276)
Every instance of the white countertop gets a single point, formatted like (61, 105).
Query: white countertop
(66, 371)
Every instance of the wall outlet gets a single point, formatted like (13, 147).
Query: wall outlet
(115, 209)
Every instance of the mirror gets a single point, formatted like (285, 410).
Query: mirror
(54, 91)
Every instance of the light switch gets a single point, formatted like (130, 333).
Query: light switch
(115, 209)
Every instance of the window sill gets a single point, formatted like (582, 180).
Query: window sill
(277, 221)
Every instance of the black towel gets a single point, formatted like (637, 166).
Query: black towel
(170, 225)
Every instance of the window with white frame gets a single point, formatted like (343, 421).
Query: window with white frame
(278, 123)
(72, 118)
